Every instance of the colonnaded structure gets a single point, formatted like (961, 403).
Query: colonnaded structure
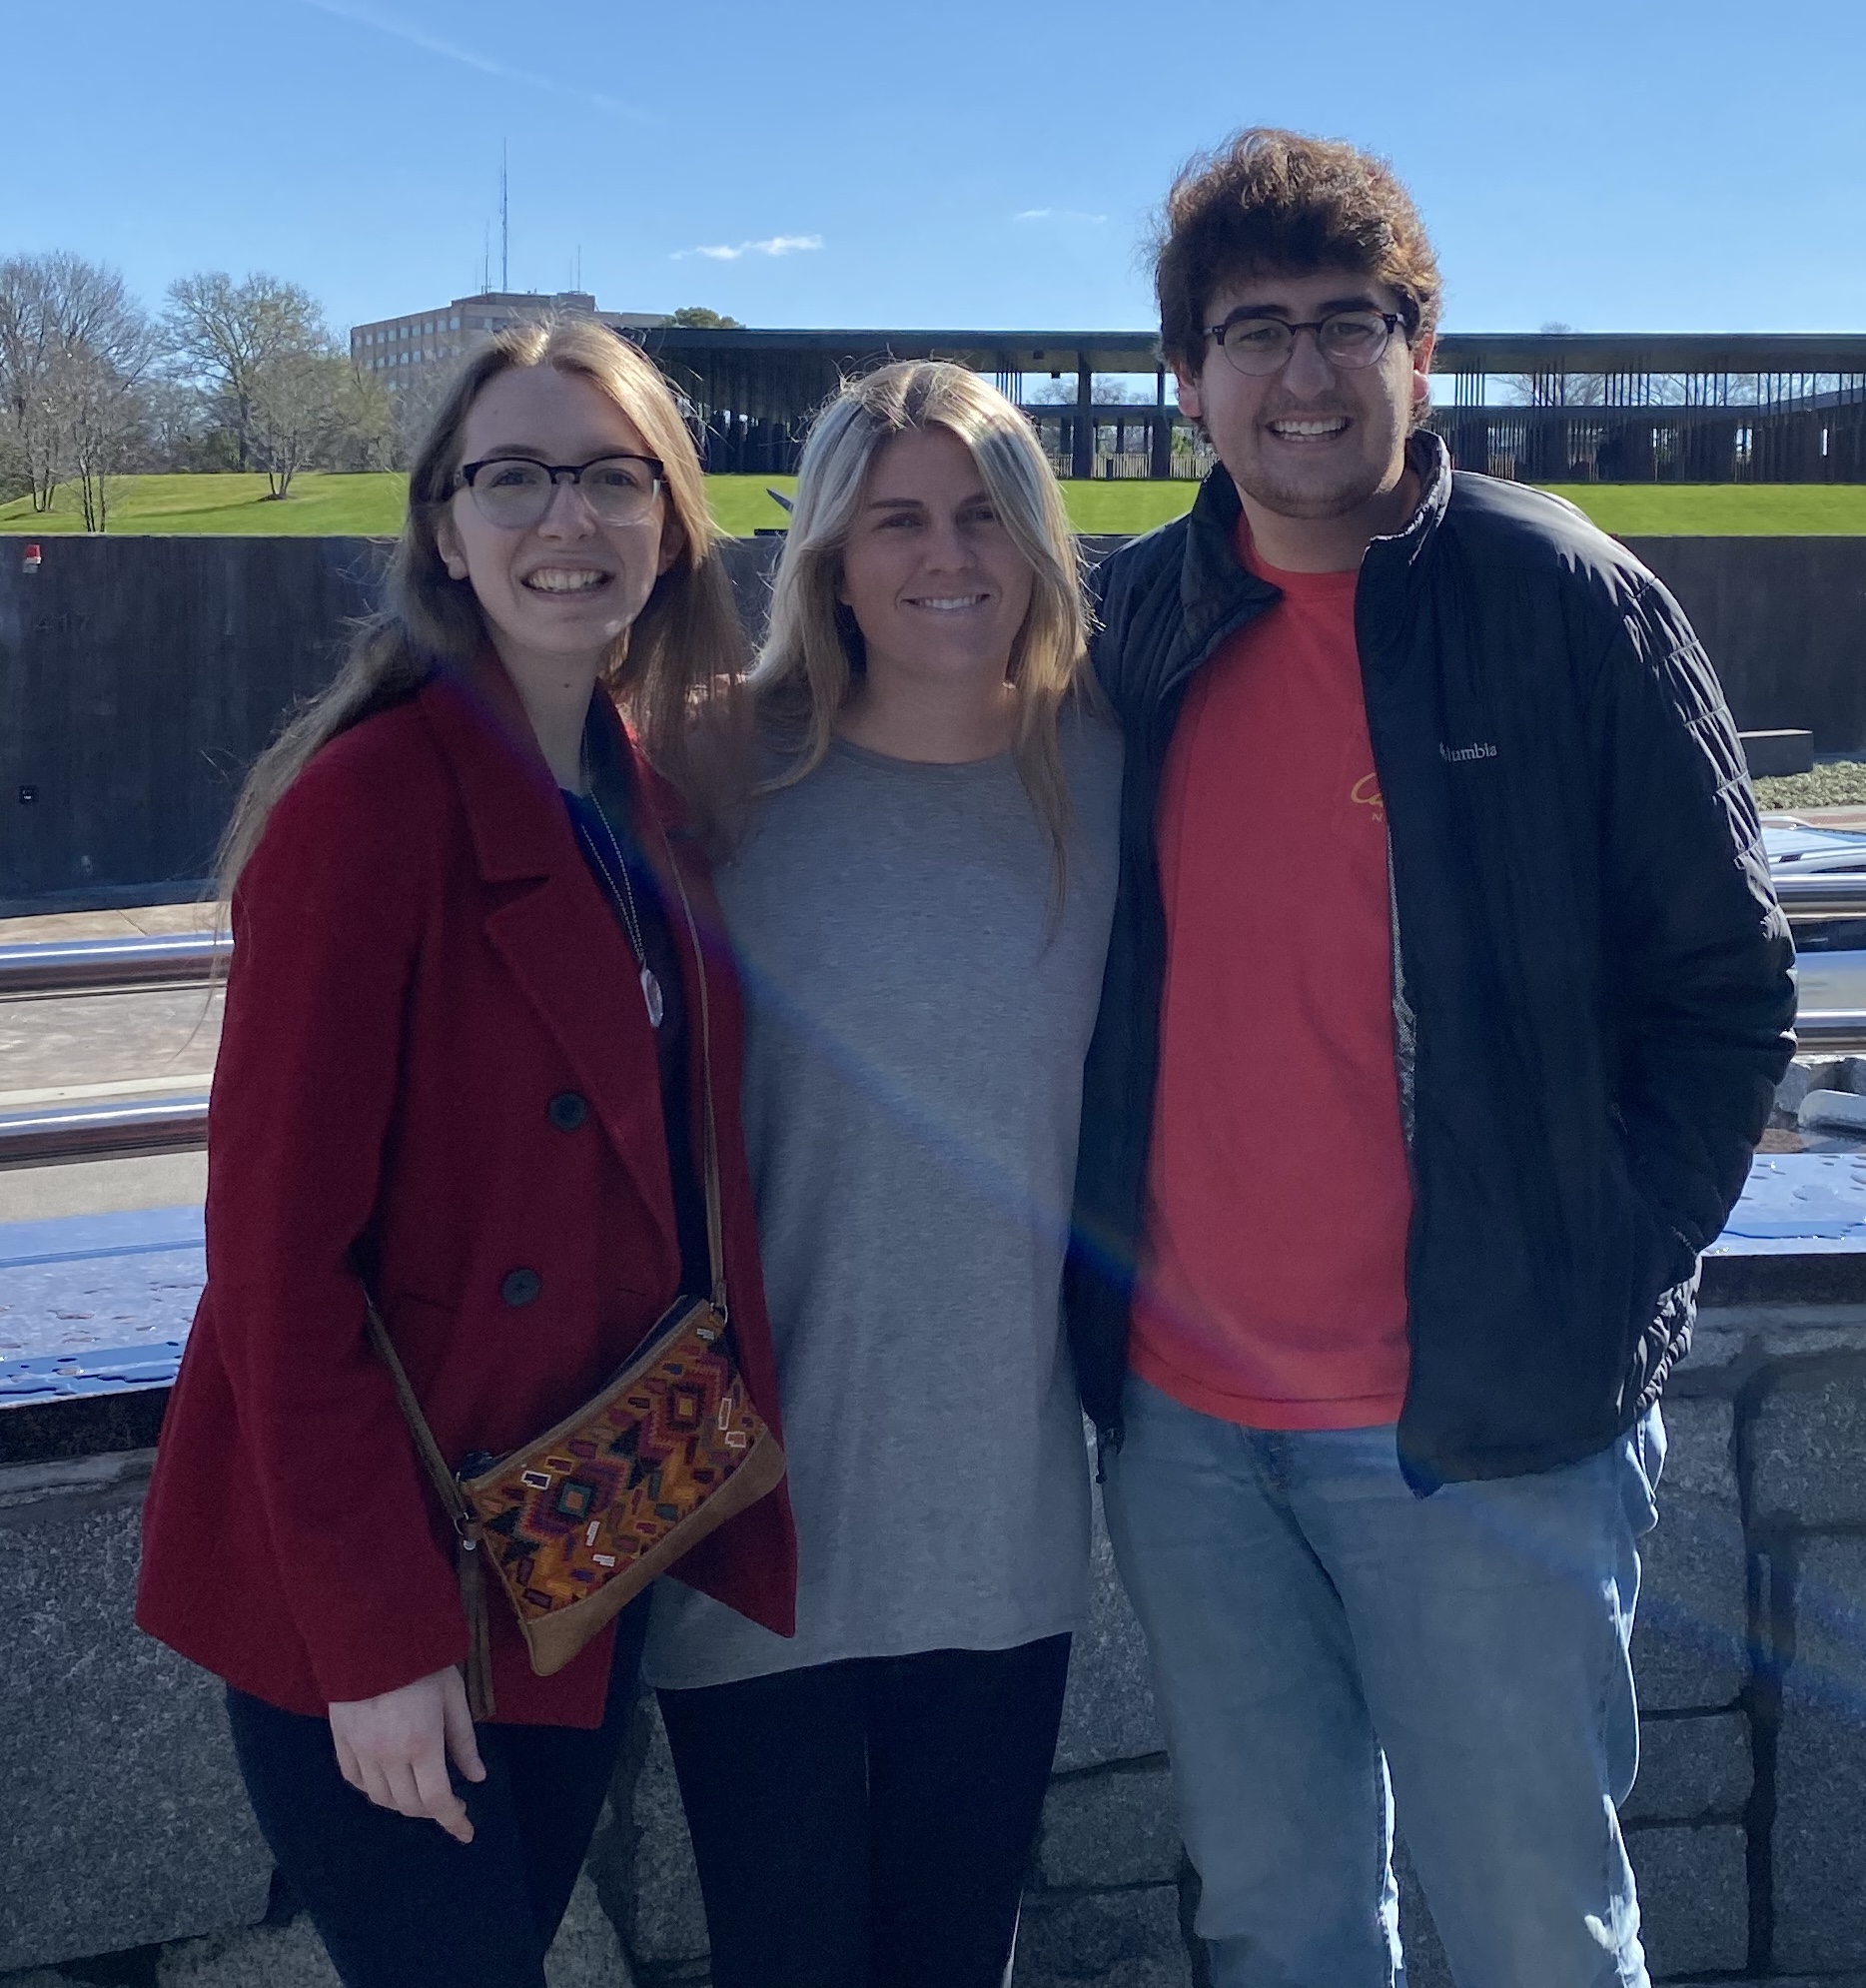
(1540, 406)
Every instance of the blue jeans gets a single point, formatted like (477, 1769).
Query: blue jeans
(1315, 1627)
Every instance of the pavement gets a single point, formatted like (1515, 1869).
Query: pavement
(103, 1187)
(144, 921)
(1823, 817)
(68, 1049)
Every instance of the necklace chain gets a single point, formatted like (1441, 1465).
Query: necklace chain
(623, 892)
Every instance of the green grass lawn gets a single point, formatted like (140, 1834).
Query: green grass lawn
(1721, 509)
(740, 504)
(322, 505)
(1630, 510)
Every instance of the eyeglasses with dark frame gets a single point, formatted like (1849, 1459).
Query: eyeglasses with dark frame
(1259, 344)
(515, 492)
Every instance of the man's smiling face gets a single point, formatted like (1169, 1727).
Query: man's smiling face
(1312, 439)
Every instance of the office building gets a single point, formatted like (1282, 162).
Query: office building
(409, 351)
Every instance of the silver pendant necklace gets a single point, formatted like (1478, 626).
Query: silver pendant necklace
(625, 895)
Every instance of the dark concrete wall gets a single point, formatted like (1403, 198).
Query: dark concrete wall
(139, 676)
(1784, 620)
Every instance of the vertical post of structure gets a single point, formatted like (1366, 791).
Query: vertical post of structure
(1160, 468)
(1082, 462)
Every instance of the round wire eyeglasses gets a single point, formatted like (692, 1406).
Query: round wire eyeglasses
(1350, 338)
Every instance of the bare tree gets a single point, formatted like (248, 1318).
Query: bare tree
(414, 404)
(14, 482)
(182, 432)
(74, 350)
(103, 419)
(224, 335)
(311, 410)
(28, 352)
(1110, 389)
(289, 413)
(365, 437)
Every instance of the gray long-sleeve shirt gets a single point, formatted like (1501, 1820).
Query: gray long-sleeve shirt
(916, 1023)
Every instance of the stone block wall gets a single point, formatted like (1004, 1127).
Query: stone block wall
(110, 1744)
(1747, 1826)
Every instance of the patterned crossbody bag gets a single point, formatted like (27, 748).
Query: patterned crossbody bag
(578, 1520)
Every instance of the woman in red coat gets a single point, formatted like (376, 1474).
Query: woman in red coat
(460, 1069)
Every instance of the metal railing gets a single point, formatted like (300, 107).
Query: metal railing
(98, 966)
(103, 1131)
(169, 1125)
(1815, 896)
(1834, 1029)
(80, 966)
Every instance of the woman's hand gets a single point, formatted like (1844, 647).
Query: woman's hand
(395, 1749)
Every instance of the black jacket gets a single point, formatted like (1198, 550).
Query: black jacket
(1592, 993)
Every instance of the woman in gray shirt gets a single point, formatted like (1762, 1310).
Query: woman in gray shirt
(921, 912)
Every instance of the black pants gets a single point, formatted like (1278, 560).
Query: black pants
(398, 1902)
(869, 1825)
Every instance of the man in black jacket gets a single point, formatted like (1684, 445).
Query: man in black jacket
(1444, 1002)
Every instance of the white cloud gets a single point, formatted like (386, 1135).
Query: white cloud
(774, 245)
(450, 51)
(1059, 214)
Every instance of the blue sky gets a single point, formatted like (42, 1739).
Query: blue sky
(1614, 164)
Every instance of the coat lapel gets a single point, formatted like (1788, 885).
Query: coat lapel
(548, 925)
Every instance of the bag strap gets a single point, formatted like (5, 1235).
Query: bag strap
(468, 1531)
(715, 1227)
(453, 1499)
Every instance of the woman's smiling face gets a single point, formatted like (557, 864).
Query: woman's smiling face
(935, 581)
(564, 589)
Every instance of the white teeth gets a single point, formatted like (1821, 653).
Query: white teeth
(564, 580)
(1309, 426)
(949, 605)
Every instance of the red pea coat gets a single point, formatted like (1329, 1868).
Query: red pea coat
(423, 965)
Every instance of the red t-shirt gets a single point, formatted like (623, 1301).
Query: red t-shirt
(1272, 1287)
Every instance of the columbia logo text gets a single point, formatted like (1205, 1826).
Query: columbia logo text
(1457, 755)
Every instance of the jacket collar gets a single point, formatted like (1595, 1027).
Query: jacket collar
(545, 920)
(1431, 461)
(1392, 562)
(1215, 589)
(510, 800)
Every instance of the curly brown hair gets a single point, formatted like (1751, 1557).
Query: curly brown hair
(1275, 200)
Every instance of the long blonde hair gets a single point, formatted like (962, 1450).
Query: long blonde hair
(676, 673)
(812, 654)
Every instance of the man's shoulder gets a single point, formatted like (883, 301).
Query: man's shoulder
(1135, 607)
(1140, 562)
(1536, 536)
